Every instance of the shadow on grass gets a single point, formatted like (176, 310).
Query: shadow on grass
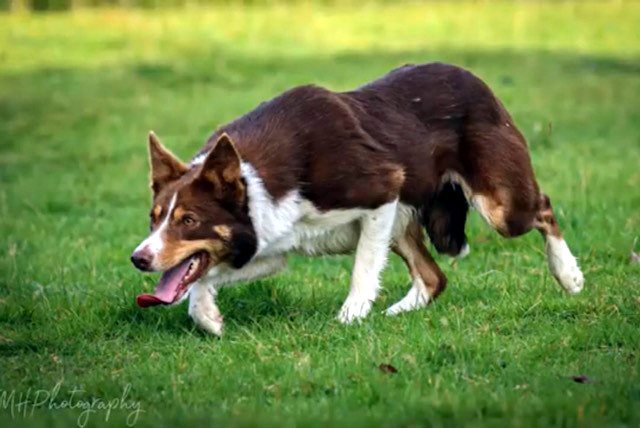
(247, 305)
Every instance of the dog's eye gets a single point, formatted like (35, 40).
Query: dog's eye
(154, 214)
(188, 221)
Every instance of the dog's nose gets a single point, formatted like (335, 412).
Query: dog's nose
(142, 260)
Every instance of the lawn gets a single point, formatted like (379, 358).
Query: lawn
(78, 94)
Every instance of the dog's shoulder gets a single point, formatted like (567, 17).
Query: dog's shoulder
(310, 139)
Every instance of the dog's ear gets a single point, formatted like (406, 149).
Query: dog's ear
(165, 166)
(221, 168)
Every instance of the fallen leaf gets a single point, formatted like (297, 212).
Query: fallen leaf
(387, 368)
(581, 379)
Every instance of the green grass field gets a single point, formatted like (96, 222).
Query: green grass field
(78, 94)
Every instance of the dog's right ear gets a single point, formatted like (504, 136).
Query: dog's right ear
(165, 166)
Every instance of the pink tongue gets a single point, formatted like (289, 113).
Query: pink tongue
(167, 289)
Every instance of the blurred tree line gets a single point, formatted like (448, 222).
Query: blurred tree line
(62, 5)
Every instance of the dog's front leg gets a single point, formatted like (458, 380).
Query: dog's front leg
(203, 309)
(371, 255)
(202, 296)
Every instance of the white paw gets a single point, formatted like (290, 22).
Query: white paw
(405, 305)
(563, 265)
(397, 308)
(211, 322)
(570, 277)
(413, 300)
(204, 311)
(354, 309)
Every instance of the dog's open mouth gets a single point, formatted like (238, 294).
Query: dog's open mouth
(175, 282)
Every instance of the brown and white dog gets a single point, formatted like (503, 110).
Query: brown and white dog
(322, 172)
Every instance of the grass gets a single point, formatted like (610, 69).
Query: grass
(78, 92)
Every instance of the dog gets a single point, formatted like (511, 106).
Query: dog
(320, 172)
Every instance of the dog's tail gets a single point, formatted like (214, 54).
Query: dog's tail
(444, 217)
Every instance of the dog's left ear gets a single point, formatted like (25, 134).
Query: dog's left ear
(222, 167)
(165, 166)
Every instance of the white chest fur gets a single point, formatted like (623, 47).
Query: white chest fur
(295, 224)
(317, 232)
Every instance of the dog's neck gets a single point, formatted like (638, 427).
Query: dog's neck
(271, 218)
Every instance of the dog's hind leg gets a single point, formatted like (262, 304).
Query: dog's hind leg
(562, 263)
(427, 280)
(510, 222)
(505, 192)
(371, 255)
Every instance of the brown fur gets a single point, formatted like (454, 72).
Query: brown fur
(164, 166)
(212, 196)
(545, 219)
(177, 250)
(396, 137)
(350, 149)
(418, 260)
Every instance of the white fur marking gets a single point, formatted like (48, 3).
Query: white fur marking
(293, 223)
(464, 251)
(155, 242)
(199, 159)
(416, 298)
(371, 255)
(563, 265)
(418, 295)
(271, 219)
(478, 202)
(405, 214)
(456, 178)
(203, 309)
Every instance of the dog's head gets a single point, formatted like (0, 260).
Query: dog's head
(199, 219)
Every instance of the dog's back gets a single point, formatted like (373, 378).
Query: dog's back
(409, 129)
(422, 114)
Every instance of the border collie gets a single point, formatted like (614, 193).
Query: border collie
(322, 172)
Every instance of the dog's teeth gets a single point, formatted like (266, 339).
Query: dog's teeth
(190, 270)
